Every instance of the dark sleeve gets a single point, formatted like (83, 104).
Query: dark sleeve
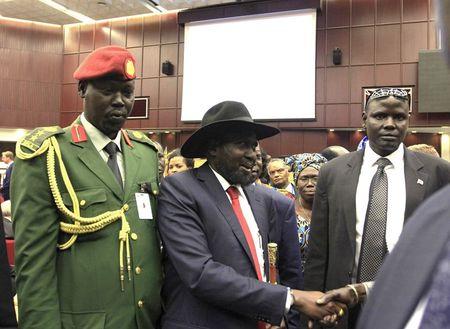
(289, 262)
(316, 263)
(185, 242)
(36, 228)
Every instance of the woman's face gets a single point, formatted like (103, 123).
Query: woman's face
(306, 183)
(176, 164)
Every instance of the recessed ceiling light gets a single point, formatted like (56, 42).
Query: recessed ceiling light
(331, 130)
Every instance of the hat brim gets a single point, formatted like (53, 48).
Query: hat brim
(196, 145)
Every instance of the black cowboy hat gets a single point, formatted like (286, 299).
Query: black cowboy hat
(217, 119)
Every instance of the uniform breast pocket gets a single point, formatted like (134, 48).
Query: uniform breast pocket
(83, 320)
(86, 198)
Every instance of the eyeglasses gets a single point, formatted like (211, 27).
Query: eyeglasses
(305, 179)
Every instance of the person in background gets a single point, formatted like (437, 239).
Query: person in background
(279, 177)
(8, 158)
(264, 177)
(424, 148)
(306, 168)
(333, 151)
(177, 163)
(84, 209)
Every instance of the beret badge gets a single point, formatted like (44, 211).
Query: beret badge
(129, 69)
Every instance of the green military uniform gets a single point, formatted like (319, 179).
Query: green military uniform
(80, 286)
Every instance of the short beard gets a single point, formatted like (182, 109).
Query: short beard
(234, 177)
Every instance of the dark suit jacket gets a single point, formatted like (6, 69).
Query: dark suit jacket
(7, 182)
(210, 281)
(332, 240)
(404, 277)
(283, 231)
(7, 315)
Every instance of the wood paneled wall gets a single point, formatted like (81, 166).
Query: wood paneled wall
(380, 41)
(30, 74)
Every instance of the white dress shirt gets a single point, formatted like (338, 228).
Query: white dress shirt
(100, 140)
(395, 173)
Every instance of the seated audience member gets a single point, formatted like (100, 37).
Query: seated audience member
(306, 168)
(424, 148)
(333, 151)
(177, 163)
(279, 177)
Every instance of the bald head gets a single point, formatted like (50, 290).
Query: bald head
(333, 151)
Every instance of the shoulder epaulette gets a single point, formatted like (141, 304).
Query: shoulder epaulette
(34, 139)
(141, 137)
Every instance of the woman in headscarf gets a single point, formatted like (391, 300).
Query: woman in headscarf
(306, 168)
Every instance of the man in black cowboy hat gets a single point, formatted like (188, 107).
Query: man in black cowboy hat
(364, 198)
(214, 225)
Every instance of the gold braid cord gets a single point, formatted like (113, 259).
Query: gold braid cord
(81, 225)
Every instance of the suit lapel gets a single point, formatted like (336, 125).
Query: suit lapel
(132, 165)
(351, 178)
(415, 181)
(216, 192)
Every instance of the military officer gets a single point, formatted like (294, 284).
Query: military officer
(83, 199)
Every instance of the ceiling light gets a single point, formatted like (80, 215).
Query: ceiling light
(360, 130)
(414, 131)
(67, 11)
(331, 130)
(441, 133)
(167, 132)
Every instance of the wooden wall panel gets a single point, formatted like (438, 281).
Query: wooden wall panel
(338, 13)
(31, 73)
(389, 11)
(102, 35)
(363, 12)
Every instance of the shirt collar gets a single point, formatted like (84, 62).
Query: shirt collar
(224, 183)
(396, 157)
(99, 139)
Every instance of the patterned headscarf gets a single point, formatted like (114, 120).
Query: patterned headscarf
(298, 162)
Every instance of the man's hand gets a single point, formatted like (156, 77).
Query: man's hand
(305, 302)
(349, 295)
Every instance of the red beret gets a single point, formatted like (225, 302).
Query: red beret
(106, 61)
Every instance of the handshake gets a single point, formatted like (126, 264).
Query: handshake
(328, 308)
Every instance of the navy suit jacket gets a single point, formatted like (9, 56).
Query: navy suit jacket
(407, 272)
(210, 280)
(7, 182)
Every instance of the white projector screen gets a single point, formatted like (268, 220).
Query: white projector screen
(265, 61)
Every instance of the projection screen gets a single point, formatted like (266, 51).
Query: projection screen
(265, 61)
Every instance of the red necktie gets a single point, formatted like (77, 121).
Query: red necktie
(234, 195)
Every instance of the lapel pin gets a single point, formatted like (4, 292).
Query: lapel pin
(419, 181)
